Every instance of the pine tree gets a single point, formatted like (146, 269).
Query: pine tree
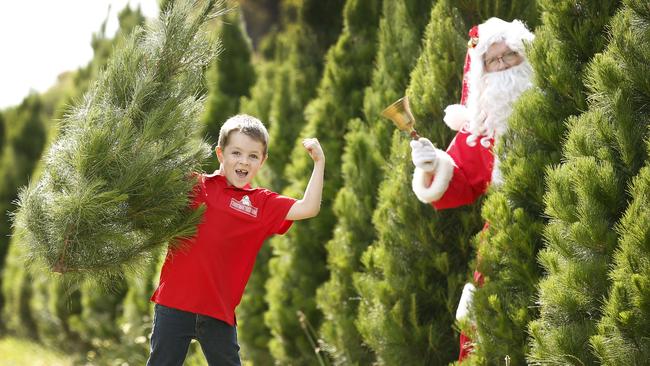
(116, 182)
(508, 249)
(475, 12)
(229, 78)
(415, 269)
(288, 82)
(24, 143)
(298, 266)
(2, 133)
(623, 331)
(366, 145)
(588, 194)
(26, 287)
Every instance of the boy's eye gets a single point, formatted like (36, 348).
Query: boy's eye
(236, 153)
(253, 156)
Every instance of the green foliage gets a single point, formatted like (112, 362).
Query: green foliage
(229, 78)
(38, 304)
(399, 41)
(24, 141)
(298, 266)
(2, 133)
(415, 269)
(508, 249)
(478, 11)
(116, 182)
(622, 332)
(286, 84)
(298, 68)
(605, 144)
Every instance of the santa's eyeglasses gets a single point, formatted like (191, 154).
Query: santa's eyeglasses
(508, 58)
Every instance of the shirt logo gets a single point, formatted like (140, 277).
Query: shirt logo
(243, 206)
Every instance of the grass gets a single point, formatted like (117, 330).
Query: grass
(19, 352)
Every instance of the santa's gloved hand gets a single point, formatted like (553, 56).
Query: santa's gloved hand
(424, 155)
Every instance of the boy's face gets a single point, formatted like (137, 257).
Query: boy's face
(240, 159)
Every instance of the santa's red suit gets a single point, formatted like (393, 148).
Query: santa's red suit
(462, 173)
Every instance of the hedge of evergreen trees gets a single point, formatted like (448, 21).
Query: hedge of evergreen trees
(376, 277)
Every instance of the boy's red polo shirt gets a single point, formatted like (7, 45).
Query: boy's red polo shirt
(207, 274)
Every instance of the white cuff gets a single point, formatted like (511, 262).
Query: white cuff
(465, 301)
(442, 175)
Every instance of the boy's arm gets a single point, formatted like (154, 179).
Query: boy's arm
(309, 205)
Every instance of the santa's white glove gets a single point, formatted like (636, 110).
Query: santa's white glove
(424, 155)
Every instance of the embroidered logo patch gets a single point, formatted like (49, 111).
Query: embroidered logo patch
(244, 206)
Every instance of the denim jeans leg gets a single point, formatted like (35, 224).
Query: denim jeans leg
(173, 331)
(218, 341)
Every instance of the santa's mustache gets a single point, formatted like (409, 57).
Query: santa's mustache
(512, 81)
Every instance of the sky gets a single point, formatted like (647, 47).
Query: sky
(39, 39)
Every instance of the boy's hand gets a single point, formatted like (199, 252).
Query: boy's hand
(315, 150)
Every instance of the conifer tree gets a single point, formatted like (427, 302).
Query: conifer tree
(116, 182)
(287, 83)
(298, 266)
(622, 337)
(588, 194)
(24, 143)
(475, 12)
(229, 78)
(366, 146)
(23, 313)
(35, 307)
(415, 269)
(2, 133)
(508, 249)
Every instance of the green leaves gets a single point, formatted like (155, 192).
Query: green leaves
(117, 182)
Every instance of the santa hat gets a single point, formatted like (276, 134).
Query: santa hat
(514, 34)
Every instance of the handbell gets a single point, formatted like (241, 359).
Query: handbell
(400, 113)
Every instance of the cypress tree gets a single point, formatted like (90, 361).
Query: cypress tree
(366, 145)
(298, 266)
(508, 249)
(588, 194)
(99, 204)
(414, 270)
(229, 78)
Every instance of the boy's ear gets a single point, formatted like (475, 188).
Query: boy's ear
(219, 153)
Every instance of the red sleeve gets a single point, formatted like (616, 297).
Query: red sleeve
(275, 211)
(472, 173)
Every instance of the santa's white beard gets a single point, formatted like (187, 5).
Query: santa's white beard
(497, 92)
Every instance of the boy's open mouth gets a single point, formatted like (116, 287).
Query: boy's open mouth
(241, 173)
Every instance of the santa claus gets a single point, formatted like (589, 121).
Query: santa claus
(496, 73)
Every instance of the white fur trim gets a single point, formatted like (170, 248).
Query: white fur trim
(465, 301)
(456, 116)
(494, 30)
(441, 177)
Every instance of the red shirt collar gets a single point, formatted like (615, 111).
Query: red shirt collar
(224, 182)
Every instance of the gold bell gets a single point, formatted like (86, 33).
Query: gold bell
(400, 113)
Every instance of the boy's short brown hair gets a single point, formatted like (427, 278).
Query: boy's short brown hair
(248, 125)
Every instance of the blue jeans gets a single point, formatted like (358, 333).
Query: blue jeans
(173, 330)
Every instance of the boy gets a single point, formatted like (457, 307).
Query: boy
(202, 282)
